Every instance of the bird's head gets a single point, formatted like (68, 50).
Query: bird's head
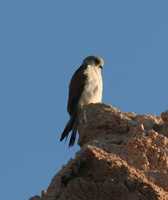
(94, 61)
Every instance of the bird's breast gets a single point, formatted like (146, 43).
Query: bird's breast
(93, 88)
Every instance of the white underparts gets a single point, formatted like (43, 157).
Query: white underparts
(93, 88)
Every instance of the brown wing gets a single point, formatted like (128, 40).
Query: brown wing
(76, 88)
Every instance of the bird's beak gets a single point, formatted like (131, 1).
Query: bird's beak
(101, 66)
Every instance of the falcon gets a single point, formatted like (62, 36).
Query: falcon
(85, 87)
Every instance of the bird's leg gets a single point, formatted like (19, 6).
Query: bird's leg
(84, 116)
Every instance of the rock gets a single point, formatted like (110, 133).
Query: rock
(35, 198)
(164, 116)
(123, 156)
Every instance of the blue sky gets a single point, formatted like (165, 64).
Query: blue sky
(41, 44)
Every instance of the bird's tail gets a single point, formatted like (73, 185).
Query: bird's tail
(71, 125)
(73, 135)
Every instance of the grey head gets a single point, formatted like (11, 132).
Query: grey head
(94, 61)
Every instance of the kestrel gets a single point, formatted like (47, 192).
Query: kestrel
(85, 87)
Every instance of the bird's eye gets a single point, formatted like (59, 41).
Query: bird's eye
(97, 61)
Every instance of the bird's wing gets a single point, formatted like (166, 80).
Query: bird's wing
(76, 88)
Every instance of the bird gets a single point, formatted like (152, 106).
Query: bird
(86, 86)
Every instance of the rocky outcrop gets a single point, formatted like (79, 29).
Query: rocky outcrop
(123, 156)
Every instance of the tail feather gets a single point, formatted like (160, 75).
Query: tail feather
(68, 128)
(73, 137)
